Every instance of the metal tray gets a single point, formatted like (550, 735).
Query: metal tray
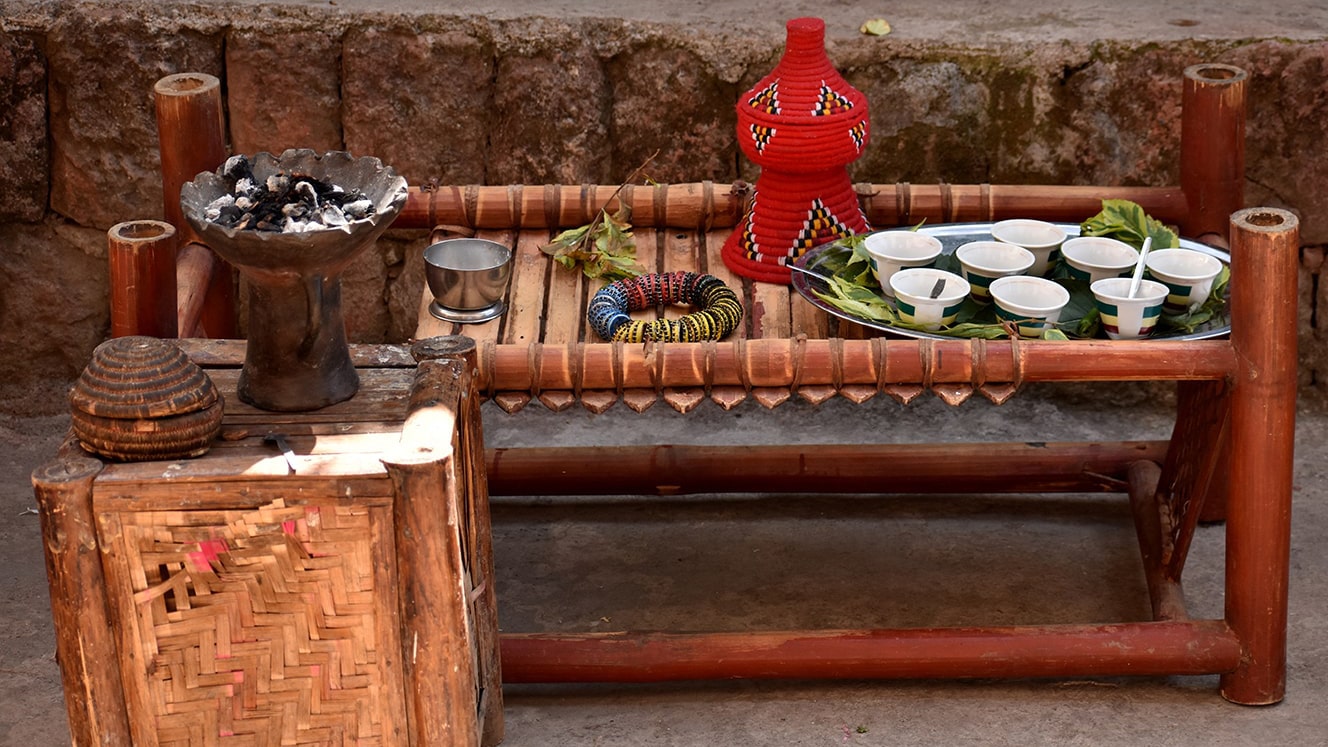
(952, 235)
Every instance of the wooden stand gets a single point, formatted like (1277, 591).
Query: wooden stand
(1233, 435)
(339, 593)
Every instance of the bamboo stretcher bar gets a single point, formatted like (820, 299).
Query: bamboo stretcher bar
(1165, 593)
(195, 266)
(707, 205)
(1148, 648)
(799, 362)
(857, 468)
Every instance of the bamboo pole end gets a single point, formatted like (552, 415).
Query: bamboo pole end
(187, 84)
(66, 471)
(445, 346)
(136, 232)
(1266, 220)
(1215, 74)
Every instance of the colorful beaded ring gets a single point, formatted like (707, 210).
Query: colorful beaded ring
(719, 315)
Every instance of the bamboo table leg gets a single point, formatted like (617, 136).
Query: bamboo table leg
(192, 138)
(1263, 417)
(142, 278)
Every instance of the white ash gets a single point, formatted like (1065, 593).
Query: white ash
(285, 202)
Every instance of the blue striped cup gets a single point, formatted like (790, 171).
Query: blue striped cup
(1125, 317)
(928, 297)
(984, 261)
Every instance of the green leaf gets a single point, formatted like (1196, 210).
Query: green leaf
(568, 238)
(1126, 221)
(1090, 324)
(604, 248)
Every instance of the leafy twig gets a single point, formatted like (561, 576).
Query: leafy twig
(604, 247)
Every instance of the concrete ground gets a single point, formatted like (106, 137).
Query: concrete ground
(759, 561)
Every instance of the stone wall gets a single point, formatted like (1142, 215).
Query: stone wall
(457, 99)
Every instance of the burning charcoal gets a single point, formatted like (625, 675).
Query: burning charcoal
(307, 192)
(237, 168)
(332, 216)
(361, 208)
(277, 183)
(286, 201)
(215, 208)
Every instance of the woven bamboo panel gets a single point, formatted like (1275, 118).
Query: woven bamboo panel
(258, 627)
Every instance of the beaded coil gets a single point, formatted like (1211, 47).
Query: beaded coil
(719, 314)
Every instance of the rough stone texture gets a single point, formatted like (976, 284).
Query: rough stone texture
(420, 100)
(550, 116)
(675, 103)
(54, 303)
(927, 117)
(404, 256)
(286, 95)
(1068, 114)
(24, 179)
(363, 289)
(1286, 156)
(103, 65)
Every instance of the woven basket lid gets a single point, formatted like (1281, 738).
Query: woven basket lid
(803, 115)
(141, 377)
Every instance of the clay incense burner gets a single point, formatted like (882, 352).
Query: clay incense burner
(297, 356)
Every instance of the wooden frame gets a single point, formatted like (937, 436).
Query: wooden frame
(1237, 399)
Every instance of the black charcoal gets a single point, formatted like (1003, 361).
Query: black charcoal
(287, 202)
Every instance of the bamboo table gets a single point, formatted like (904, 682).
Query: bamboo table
(1232, 443)
(340, 593)
(1229, 454)
(1230, 451)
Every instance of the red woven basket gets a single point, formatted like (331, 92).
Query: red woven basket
(802, 124)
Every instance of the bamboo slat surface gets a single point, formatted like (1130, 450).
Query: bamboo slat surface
(543, 349)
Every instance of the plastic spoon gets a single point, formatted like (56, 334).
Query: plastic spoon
(1139, 267)
(806, 271)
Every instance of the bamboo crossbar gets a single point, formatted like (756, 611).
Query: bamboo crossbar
(825, 468)
(1147, 648)
(836, 362)
(707, 205)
